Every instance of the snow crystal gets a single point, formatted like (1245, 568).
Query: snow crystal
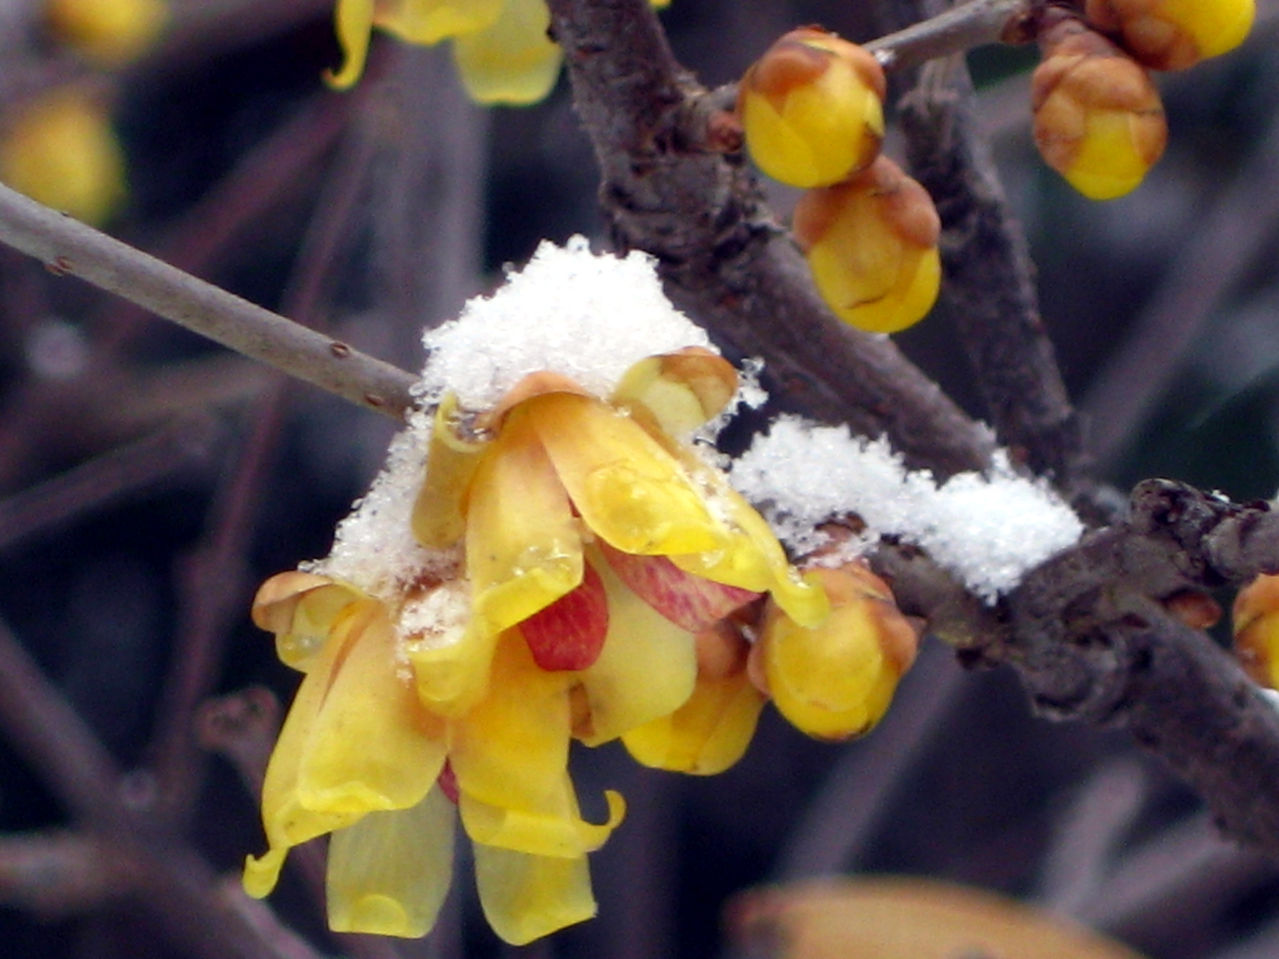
(588, 317)
(988, 529)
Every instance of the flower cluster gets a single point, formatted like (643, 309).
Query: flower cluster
(1099, 121)
(58, 145)
(575, 570)
(812, 112)
(500, 47)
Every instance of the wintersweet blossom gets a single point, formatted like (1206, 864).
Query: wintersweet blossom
(585, 563)
(500, 47)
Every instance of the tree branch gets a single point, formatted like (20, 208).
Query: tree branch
(66, 246)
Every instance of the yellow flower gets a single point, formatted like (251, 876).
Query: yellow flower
(1174, 34)
(871, 243)
(837, 680)
(501, 47)
(595, 549)
(60, 149)
(1256, 629)
(1099, 121)
(812, 108)
(111, 33)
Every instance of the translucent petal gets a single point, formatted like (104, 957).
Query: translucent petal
(707, 734)
(562, 833)
(369, 744)
(300, 608)
(452, 677)
(645, 670)
(429, 21)
(682, 390)
(438, 519)
(523, 545)
(513, 61)
(353, 20)
(628, 489)
(526, 897)
(388, 874)
(511, 749)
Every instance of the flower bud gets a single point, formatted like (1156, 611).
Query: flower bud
(111, 33)
(1099, 121)
(1174, 34)
(1256, 627)
(60, 149)
(812, 108)
(836, 680)
(871, 243)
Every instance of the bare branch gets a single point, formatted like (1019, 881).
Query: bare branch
(68, 247)
(974, 24)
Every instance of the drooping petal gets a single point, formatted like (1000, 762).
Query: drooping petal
(513, 61)
(646, 668)
(689, 601)
(707, 734)
(525, 897)
(562, 832)
(429, 21)
(629, 490)
(353, 20)
(300, 608)
(569, 634)
(388, 874)
(370, 745)
(438, 519)
(523, 545)
(511, 749)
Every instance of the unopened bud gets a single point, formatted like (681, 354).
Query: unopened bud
(1099, 121)
(812, 108)
(871, 243)
(837, 680)
(1174, 34)
(1256, 628)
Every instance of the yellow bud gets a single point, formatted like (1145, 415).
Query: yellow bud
(1099, 121)
(60, 150)
(111, 33)
(871, 243)
(1174, 34)
(836, 680)
(812, 108)
(1256, 627)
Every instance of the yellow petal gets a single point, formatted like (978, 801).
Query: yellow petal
(561, 833)
(511, 749)
(526, 897)
(429, 21)
(353, 20)
(451, 677)
(389, 872)
(300, 608)
(628, 489)
(682, 390)
(523, 545)
(438, 513)
(370, 745)
(707, 734)
(646, 669)
(513, 61)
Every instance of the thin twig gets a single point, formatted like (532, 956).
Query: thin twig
(957, 30)
(68, 247)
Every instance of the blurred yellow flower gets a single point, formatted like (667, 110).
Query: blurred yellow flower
(110, 33)
(60, 149)
(501, 47)
(600, 558)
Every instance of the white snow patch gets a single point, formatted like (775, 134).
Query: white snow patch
(988, 529)
(588, 317)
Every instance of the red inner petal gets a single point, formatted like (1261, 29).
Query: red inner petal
(569, 633)
(688, 601)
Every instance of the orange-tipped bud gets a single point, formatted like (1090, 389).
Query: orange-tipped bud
(1099, 121)
(1256, 627)
(837, 679)
(812, 108)
(1174, 34)
(871, 243)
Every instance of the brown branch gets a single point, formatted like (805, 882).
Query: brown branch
(723, 259)
(68, 247)
(956, 30)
